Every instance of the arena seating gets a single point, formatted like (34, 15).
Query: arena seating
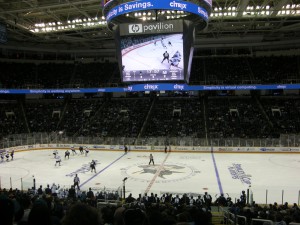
(214, 117)
(209, 71)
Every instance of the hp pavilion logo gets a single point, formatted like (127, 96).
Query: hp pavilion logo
(135, 28)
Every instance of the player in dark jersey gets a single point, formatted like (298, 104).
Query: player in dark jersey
(67, 154)
(12, 154)
(151, 159)
(93, 166)
(2, 156)
(81, 150)
(166, 57)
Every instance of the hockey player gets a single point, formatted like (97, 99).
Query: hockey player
(166, 57)
(73, 150)
(93, 166)
(177, 54)
(86, 150)
(55, 153)
(58, 160)
(7, 155)
(151, 159)
(175, 60)
(67, 154)
(169, 43)
(12, 154)
(2, 156)
(81, 150)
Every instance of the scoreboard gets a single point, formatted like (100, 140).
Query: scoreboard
(157, 48)
(151, 52)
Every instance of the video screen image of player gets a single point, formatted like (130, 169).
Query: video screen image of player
(152, 57)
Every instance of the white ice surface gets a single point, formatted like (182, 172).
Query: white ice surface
(273, 177)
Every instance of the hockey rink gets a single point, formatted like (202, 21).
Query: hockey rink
(273, 177)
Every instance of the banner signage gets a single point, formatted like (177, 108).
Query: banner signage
(143, 5)
(154, 87)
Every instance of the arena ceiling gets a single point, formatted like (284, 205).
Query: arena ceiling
(73, 25)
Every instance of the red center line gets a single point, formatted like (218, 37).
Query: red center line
(156, 174)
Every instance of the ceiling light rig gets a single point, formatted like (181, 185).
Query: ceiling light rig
(217, 12)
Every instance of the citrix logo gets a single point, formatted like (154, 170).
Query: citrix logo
(135, 28)
(151, 87)
(178, 5)
(177, 86)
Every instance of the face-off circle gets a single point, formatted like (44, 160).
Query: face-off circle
(170, 172)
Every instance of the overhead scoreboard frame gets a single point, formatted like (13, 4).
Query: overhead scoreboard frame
(122, 20)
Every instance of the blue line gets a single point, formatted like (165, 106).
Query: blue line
(216, 170)
(88, 180)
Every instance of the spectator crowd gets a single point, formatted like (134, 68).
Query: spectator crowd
(55, 206)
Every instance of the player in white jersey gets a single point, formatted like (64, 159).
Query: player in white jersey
(177, 54)
(58, 160)
(73, 150)
(175, 60)
(7, 155)
(86, 150)
(55, 153)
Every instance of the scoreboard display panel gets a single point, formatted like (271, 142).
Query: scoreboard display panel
(154, 52)
(157, 57)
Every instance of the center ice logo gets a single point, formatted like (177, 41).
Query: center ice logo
(135, 28)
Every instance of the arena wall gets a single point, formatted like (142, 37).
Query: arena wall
(161, 148)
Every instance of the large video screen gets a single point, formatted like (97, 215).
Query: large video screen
(152, 57)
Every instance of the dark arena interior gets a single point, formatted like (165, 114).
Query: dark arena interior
(162, 112)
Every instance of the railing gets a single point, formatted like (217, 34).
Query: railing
(230, 218)
(261, 222)
(60, 138)
(233, 219)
